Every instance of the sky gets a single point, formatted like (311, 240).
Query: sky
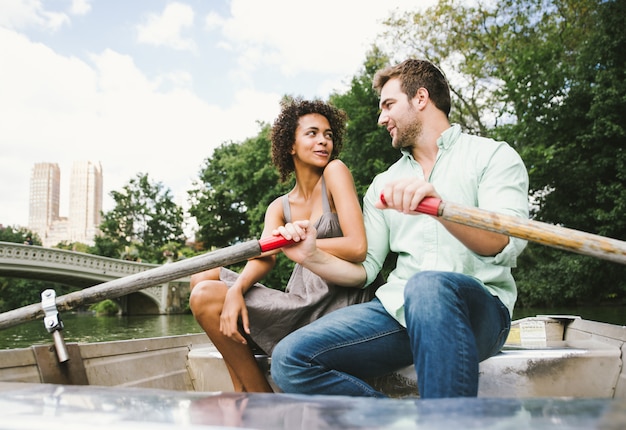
(152, 86)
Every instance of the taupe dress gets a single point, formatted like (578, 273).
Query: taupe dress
(273, 314)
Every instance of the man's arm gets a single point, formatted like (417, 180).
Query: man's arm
(405, 194)
(330, 268)
(480, 241)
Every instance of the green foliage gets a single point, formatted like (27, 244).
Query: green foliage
(576, 146)
(367, 149)
(105, 308)
(235, 187)
(549, 277)
(73, 246)
(15, 293)
(145, 218)
(16, 234)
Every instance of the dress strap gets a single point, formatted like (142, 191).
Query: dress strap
(286, 208)
(325, 203)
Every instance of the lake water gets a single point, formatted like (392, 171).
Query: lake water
(85, 327)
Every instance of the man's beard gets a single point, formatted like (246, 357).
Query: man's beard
(407, 137)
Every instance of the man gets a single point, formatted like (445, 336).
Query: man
(447, 305)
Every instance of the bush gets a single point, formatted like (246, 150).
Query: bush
(105, 308)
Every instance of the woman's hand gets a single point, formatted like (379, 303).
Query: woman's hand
(304, 236)
(234, 306)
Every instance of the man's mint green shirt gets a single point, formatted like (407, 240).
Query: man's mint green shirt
(471, 171)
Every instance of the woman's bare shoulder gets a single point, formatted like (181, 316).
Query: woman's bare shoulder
(336, 165)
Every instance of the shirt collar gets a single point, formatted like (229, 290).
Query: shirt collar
(445, 141)
(449, 137)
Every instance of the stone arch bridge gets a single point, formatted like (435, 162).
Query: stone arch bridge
(85, 270)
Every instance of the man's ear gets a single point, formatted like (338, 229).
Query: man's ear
(421, 97)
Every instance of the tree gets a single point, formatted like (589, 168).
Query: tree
(365, 139)
(73, 246)
(16, 234)
(587, 139)
(236, 185)
(145, 217)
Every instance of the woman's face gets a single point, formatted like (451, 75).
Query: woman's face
(314, 140)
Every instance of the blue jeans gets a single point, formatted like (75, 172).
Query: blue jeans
(453, 323)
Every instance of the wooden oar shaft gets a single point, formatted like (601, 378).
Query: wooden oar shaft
(536, 231)
(138, 281)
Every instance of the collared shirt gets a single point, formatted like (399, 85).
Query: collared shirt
(469, 170)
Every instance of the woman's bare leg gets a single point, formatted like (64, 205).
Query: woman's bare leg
(207, 275)
(206, 302)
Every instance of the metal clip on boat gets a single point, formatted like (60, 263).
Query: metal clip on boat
(53, 324)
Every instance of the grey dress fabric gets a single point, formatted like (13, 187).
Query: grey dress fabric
(273, 314)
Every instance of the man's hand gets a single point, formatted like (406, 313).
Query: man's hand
(405, 194)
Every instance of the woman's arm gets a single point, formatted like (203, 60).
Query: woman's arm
(305, 251)
(255, 269)
(352, 246)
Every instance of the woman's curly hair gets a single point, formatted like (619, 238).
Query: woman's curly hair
(283, 133)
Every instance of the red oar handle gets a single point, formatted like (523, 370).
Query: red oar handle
(428, 205)
(273, 242)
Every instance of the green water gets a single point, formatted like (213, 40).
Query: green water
(85, 327)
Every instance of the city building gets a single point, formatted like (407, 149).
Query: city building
(85, 203)
(45, 194)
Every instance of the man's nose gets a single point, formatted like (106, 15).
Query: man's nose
(382, 118)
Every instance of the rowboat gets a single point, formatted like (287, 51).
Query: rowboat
(555, 371)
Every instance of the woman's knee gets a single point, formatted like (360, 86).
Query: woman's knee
(207, 295)
(207, 275)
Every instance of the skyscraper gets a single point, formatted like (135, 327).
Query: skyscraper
(45, 193)
(85, 203)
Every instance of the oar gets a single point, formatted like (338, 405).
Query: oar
(138, 281)
(535, 231)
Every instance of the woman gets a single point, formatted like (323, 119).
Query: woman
(234, 309)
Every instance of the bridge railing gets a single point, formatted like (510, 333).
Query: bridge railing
(87, 270)
(17, 257)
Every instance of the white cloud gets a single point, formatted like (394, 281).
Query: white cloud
(165, 29)
(328, 37)
(213, 21)
(61, 109)
(134, 114)
(19, 14)
(80, 7)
